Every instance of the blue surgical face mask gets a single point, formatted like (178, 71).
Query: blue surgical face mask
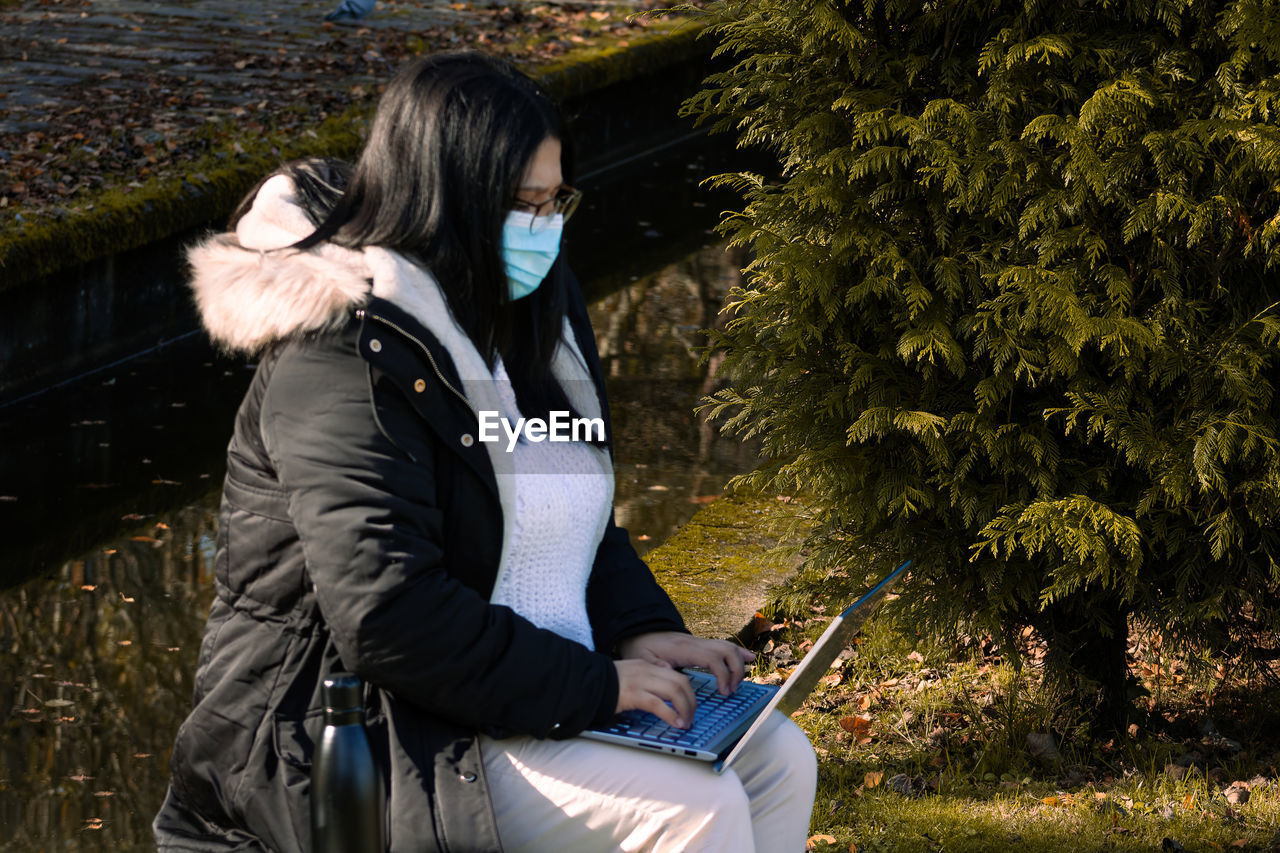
(529, 248)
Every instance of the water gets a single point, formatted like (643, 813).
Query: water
(108, 499)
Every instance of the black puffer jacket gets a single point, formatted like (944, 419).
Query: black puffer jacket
(361, 530)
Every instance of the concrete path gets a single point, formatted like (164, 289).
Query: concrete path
(93, 90)
(57, 56)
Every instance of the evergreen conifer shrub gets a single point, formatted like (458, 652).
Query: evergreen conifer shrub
(1013, 306)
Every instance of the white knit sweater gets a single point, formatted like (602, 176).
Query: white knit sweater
(562, 507)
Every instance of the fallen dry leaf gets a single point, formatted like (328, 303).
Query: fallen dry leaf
(856, 725)
(1237, 794)
(872, 778)
(761, 625)
(814, 841)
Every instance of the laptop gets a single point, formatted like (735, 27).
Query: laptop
(723, 725)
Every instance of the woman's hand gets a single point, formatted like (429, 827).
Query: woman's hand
(672, 649)
(645, 686)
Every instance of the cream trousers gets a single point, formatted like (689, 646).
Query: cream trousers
(582, 796)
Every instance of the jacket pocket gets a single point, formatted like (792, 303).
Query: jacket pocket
(259, 560)
(295, 739)
(293, 742)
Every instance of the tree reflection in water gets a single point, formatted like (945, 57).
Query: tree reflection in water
(651, 345)
(98, 662)
(99, 654)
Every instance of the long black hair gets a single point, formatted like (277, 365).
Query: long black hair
(451, 140)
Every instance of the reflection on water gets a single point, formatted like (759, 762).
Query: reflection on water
(98, 656)
(97, 666)
(80, 464)
(650, 341)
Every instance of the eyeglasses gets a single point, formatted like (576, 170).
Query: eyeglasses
(564, 202)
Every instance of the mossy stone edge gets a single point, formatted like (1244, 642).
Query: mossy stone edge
(719, 567)
(163, 207)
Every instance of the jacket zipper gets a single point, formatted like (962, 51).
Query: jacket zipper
(361, 313)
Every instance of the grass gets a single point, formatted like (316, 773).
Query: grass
(924, 747)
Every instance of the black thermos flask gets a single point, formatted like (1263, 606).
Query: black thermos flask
(346, 788)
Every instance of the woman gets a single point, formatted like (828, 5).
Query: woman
(483, 593)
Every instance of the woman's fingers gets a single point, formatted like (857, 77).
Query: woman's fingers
(657, 689)
(648, 681)
(721, 666)
(725, 660)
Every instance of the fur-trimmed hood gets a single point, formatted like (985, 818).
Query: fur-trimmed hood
(251, 292)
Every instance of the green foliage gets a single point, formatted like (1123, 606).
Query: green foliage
(1013, 308)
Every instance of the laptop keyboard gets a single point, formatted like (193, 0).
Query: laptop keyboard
(713, 715)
